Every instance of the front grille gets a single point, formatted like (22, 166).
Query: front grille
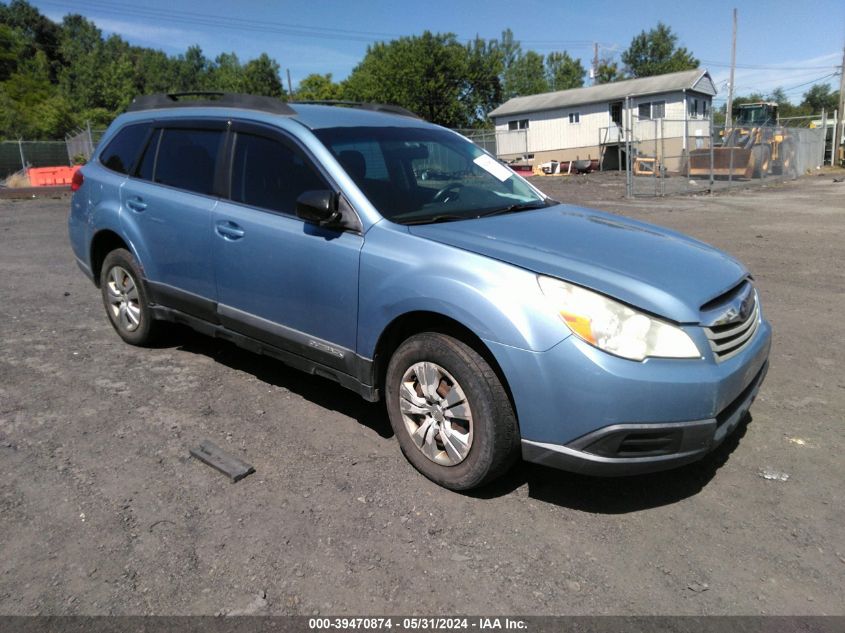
(730, 339)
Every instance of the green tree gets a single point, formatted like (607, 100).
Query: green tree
(431, 74)
(80, 50)
(608, 71)
(261, 77)
(526, 76)
(11, 45)
(226, 73)
(785, 107)
(316, 87)
(485, 64)
(563, 72)
(30, 106)
(820, 97)
(38, 32)
(154, 71)
(117, 75)
(509, 48)
(191, 70)
(657, 53)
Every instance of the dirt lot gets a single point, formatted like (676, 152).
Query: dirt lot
(103, 512)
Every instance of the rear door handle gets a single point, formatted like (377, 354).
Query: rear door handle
(136, 204)
(229, 230)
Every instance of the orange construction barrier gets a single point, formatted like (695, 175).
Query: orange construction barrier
(51, 176)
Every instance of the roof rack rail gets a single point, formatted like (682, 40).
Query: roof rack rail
(376, 107)
(215, 99)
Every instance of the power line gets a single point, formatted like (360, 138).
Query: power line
(263, 26)
(220, 20)
(791, 88)
(767, 67)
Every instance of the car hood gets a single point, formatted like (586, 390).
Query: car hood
(655, 269)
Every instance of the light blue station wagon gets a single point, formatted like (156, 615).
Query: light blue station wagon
(362, 244)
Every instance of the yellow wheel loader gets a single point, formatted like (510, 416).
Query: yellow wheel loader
(756, 146)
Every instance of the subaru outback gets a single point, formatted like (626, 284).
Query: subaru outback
(495, 322)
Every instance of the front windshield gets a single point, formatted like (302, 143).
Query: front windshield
(420, 175)
(755, 115)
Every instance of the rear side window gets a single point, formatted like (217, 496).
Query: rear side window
(121, 152)
(269, 174)
(186, 158)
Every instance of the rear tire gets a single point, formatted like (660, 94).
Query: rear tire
(449, 411)
(125, 298)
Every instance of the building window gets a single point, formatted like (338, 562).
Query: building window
(652, 110)
(658, 109)
(574, 117)
(518, 125)
(692, 108)
(704, 112)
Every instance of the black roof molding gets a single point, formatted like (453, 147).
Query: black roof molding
(375, 107)
(212, 99)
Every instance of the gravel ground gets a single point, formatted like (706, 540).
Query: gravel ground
(103, 512)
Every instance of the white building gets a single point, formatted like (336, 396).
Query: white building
(666, 115)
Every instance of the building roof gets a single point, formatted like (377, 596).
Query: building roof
(698, 80)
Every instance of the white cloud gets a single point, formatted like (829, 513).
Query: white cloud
(139, 32)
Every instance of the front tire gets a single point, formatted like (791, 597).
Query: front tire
(449, 411)
(125, 298)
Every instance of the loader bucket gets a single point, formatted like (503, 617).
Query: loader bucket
(740, 166)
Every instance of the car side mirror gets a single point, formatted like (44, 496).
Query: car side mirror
(318, 207)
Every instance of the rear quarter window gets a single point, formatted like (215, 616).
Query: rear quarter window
(122, 151)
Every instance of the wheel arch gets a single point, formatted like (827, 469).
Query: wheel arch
(410, 323)
(103, 243)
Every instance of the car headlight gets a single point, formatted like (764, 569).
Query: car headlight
(614, 327)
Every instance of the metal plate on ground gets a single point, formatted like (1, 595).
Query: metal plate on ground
(211, 454)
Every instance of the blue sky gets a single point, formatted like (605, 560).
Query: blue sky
(780, 43)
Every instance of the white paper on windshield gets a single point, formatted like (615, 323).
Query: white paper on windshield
(493, 167)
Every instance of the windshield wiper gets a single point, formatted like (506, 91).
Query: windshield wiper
(521, 206)
(445, 217)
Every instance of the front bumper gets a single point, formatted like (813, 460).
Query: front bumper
(583, 410)
(613, 450)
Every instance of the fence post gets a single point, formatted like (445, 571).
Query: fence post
(731, 168)
(712, 135)
(662, 157)
(824, 135)
(20, 149)
(68, 138)
(90, 140)
(654, 166)
(629, 183)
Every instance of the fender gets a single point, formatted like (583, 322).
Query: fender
(498, 302)
(101, 212)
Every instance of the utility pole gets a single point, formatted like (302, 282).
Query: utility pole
(839, 129)
(595, 63)
(729, 107)
(290, 90)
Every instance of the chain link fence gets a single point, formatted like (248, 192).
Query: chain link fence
(18, 156)
(80, 146)
(485, 139)
(667, 156)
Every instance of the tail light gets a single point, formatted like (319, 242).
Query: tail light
(77, 180)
